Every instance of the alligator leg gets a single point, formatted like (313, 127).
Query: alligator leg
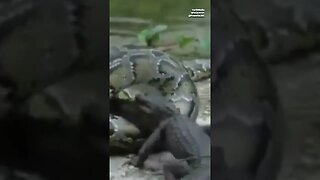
(150, 144)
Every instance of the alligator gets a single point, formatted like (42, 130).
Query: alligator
(183, 138)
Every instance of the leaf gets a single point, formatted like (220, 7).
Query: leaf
(184, 40)
(144, 35)
(152, 41)
(150, 36)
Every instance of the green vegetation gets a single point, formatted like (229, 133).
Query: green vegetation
(151, 37)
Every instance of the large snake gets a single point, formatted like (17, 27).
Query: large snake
(154, 71)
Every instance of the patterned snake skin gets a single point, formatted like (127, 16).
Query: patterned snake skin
(132, 66)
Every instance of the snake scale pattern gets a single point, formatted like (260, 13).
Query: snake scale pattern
(143, 67)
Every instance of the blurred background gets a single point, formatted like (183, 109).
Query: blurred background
(286, 36)
(53, 88)
(51, 81)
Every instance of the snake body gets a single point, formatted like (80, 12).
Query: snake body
(133, 68)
